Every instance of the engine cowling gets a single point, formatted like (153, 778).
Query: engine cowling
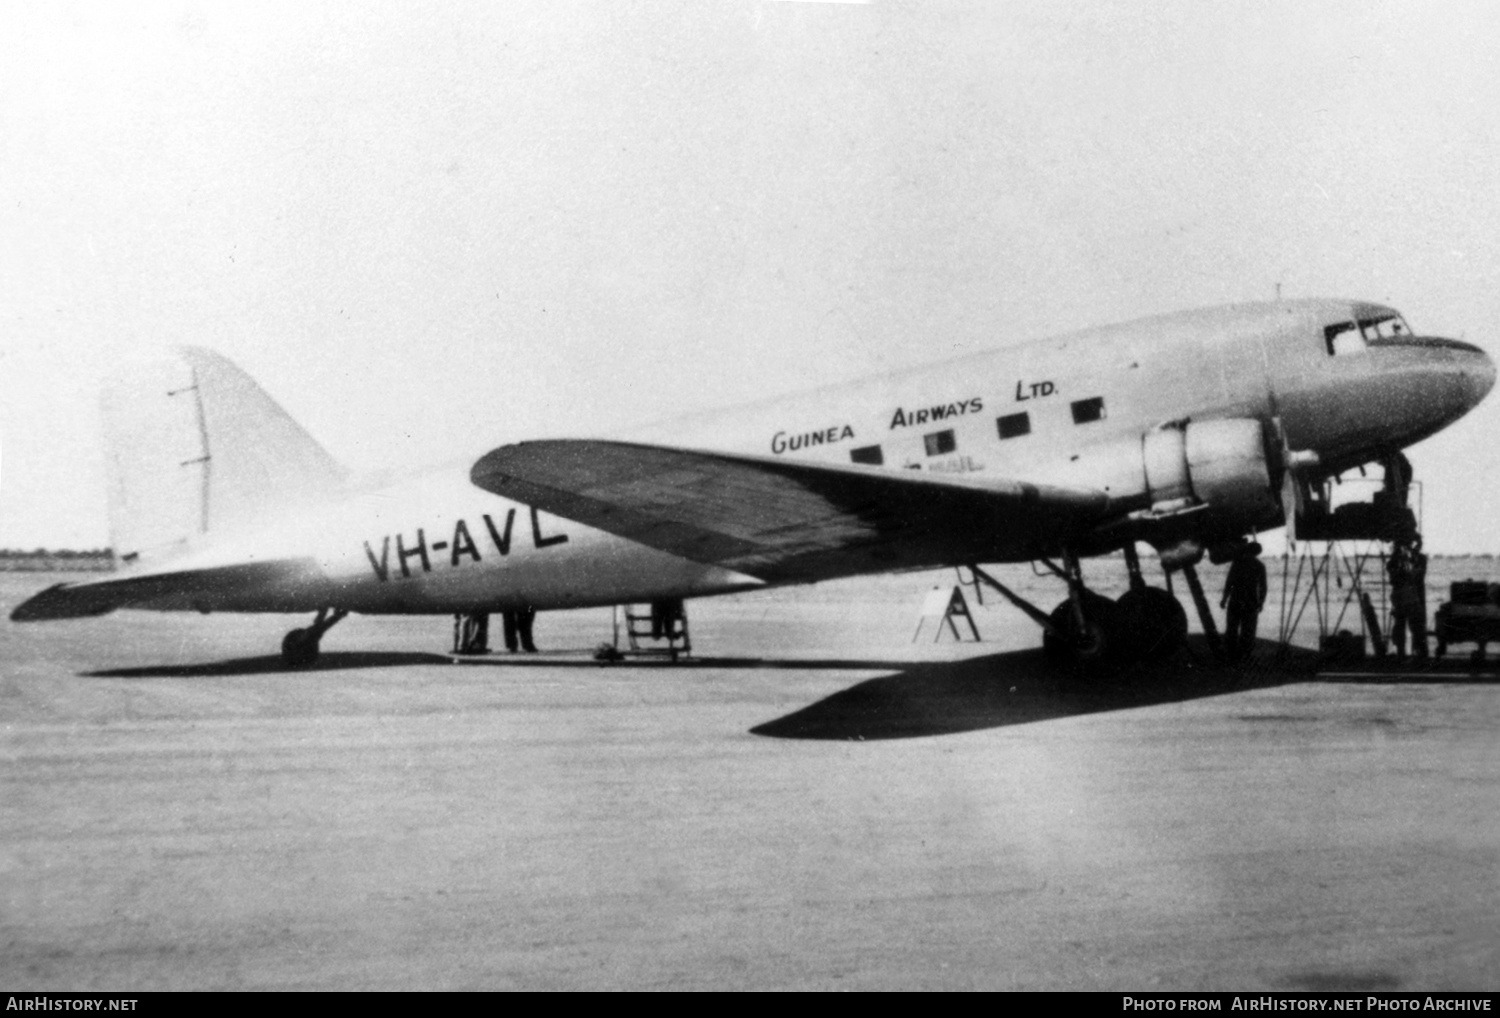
(1228, 469)
(1221, 464)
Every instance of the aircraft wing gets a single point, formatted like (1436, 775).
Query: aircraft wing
(216, 588)
(786, 520)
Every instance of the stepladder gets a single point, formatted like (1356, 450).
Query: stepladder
(658, 628)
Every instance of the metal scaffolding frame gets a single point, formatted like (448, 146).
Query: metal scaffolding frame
(1340, 573)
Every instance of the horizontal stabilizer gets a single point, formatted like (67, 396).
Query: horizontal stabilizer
(298, 581)
(786, 520)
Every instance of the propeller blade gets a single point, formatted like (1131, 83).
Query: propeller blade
(1291, 505)
(1292, 494)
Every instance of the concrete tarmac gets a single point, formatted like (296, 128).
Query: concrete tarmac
(814, 803)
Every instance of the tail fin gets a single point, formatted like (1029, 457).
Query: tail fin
(194, 447)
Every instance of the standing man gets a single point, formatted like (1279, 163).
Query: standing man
(518, 629)
(1244, 596)
(525, 616)
(1408, 571)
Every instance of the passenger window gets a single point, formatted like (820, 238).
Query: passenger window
(940, 442)
(1014, 425)
(1086, 411)
(870, 454)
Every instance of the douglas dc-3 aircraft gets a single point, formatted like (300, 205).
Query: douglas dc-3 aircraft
(1186, 431)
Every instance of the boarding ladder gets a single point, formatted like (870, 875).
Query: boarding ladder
(656, 629)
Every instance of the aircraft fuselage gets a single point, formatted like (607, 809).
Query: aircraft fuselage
(1115, 409)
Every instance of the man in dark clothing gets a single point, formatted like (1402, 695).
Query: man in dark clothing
(518, 629)
(1408, 571)
(665, 619)
(1244, 596)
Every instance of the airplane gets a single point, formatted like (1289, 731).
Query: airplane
(1185, 431)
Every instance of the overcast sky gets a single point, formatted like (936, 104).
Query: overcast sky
(427, 232)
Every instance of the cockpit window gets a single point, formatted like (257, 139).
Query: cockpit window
(1383, 327)
(1344, 338)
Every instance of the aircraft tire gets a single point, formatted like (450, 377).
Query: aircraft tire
(1153, 621)
(299, 648)
(1094, 649)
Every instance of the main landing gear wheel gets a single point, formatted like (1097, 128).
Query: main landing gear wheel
(1153, 621)
(1095, 646)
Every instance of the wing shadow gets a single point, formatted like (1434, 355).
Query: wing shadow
(1017, 688)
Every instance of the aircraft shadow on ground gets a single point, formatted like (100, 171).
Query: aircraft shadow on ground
(948, 697)
(329, 661)
(1015, 688)
(918, 698)
(1021, 687)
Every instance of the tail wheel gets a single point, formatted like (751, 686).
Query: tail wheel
(1093, 647)
(1154, 622)
(299, 648)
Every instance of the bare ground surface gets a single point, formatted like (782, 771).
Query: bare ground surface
(816, 802)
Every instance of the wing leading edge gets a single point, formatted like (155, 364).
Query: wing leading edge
(786, 521)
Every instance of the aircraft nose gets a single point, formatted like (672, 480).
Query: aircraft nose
(1428, 383)
(1462, 375)
(1458, 374)
(1479, 374)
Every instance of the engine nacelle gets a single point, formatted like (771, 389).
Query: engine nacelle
(1227, 467)
(1221, 464)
